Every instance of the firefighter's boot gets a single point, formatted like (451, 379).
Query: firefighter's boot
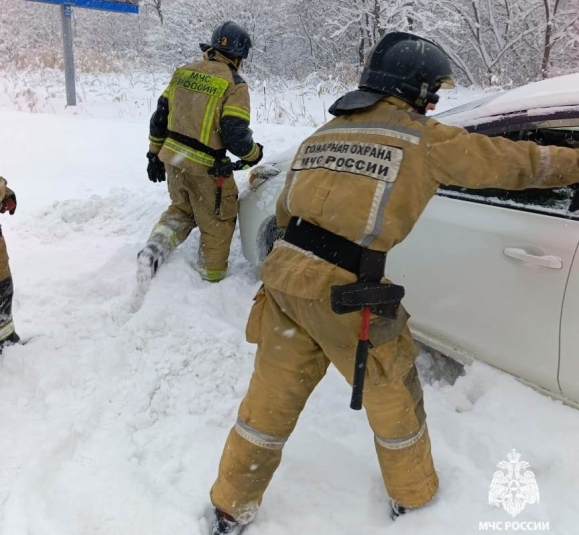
(396, 510)
(150, 258)
(223, 524)
(11, 340)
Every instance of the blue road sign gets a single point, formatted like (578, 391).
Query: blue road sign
(119, 6)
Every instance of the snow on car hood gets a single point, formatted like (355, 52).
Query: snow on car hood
(556, 92)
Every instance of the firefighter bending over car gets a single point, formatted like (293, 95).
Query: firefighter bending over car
(8, 335)
(203, 113)
(354, 191)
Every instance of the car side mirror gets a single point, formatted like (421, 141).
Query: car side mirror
(260, 175)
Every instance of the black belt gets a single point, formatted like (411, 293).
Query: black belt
(369, 294)
(367, 264)
(195, 144)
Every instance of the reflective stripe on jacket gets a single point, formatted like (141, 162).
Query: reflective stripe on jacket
(203, 112)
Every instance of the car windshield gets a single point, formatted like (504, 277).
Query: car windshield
(468, 106)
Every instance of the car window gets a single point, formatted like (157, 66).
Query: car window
(560, 202)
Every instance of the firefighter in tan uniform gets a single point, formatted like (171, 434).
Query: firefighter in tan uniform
(355, 189)
(8, 335)
(203, 113)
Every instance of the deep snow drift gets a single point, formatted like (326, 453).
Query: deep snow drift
(113, 416)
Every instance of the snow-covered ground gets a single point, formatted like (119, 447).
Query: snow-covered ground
(113, 415)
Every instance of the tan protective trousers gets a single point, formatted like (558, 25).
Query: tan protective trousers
(297, 339)
(6, 293)
(193, 205)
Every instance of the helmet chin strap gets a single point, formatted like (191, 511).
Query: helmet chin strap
(426, 97)
(423, 96)
(211, 54)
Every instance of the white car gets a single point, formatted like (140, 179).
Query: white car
(490, 274)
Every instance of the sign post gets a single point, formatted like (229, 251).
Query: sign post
(119, 6)
(66, 16)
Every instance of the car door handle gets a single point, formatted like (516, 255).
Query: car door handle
(547, 261)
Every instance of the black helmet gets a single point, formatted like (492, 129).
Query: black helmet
(408, 67)
(229, 39)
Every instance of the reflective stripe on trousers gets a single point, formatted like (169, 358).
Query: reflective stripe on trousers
(401, 443)
(258, 439)
(6, 330)
(167, 232)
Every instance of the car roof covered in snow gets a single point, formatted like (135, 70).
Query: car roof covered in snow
(559, 92)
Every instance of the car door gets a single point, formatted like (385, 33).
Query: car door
(569, 369)
(486, 270)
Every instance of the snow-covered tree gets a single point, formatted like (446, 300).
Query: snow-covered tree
(490, 41)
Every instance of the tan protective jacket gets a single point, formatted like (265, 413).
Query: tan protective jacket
(206, 103)
(369, 175)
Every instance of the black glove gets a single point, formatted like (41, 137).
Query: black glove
(156, 168)
(245, 164)
(9, 204)
(260, 147)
